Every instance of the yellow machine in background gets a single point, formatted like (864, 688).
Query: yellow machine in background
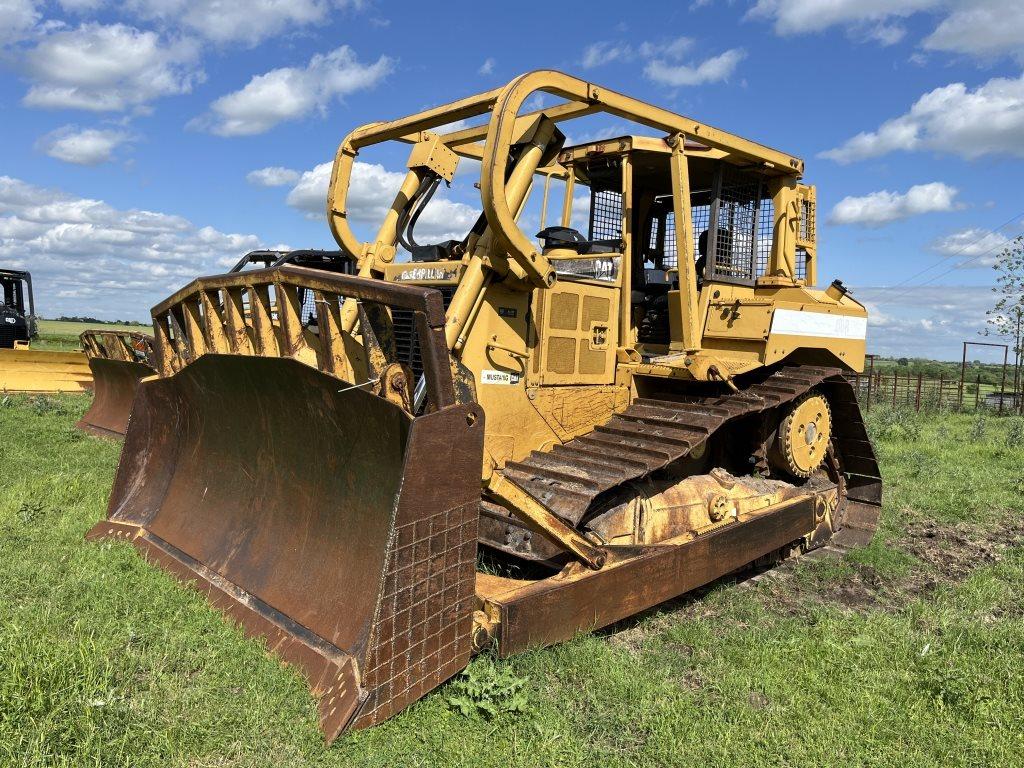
(23, 369)
(610, 413)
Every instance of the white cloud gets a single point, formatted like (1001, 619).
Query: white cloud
(883, 207)
(792, 17)
(977, 247)
(886, 34)
(17, 19)
(108, 68)
(487, 68)
(981, 28)
(954, 119)
(605, 52)
(80, 6)
(88, 257)
(272, 176)
(929, 321)
(88, 146)
(290, 93)
(248, 22)
(675, 48)
(371, 193)
(711, 70)
(664, 63)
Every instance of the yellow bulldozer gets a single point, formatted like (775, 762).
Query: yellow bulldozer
(23, 369)
(500, 441)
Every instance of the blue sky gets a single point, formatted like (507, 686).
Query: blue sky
(148, 141)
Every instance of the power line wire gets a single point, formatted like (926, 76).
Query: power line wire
(988, 232)
(941, 274)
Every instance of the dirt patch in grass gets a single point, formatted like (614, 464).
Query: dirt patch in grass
(953, 551)
(933, 554)
(943, 554)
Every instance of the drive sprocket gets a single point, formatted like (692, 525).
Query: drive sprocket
(803, 435)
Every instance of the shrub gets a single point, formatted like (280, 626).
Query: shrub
(1015, 433)
(898, 424)
(43, 405)
(977, 433)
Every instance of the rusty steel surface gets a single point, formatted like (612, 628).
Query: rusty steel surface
(578, 600)
(314, 519)
(307, 507)
(257, 313)
(118, 360)
(114, 385)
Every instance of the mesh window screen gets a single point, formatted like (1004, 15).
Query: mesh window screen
(765, 227)
(735, 236)
(308, 311)
(807, 220)
(700, 213)
(670, 260)
(801, 264)
(605, 215)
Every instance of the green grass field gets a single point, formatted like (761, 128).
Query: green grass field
(62, 334)
(907, 653)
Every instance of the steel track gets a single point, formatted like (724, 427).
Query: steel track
(653, 433)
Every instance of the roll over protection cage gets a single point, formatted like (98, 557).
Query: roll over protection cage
(506, 127)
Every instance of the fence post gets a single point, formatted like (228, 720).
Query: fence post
(963, 374)
(917, 399)
(977, 393)
(871, 376)
(1002, 385)
(895, 380)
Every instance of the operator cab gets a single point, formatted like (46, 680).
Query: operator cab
(17, 326)
(731, 209)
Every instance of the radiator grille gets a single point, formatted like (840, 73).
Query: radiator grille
(405, 332)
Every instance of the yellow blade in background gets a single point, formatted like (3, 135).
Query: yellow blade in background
(43, 371)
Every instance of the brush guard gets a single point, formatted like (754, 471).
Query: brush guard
(262, 468)
(118, 361)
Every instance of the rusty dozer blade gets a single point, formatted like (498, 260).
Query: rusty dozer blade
(306, 508)
(118, 361)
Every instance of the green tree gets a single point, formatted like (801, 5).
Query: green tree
(1006, 318)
